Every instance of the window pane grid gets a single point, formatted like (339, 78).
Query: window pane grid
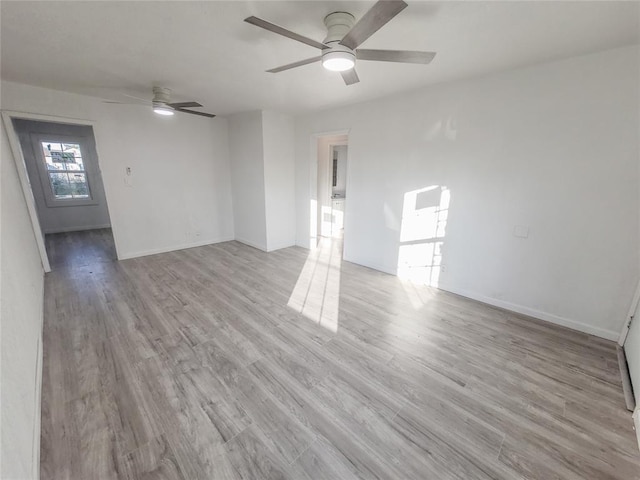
(67, 176)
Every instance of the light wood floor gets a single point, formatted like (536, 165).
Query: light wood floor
(224, 362)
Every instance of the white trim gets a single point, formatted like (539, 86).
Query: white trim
(184, 246)
(279, 246)
(79, 228)
(21, 167)
(48, 118)
(37, 414)
(548, 317)
(251, 244)
(18, 157)
(313, 179)
(513, 307)
(374, 266)
(630, 314)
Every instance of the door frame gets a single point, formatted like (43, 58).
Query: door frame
(21, 167)
(632, 310)
(314, 217)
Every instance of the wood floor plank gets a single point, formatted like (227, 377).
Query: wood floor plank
(252, 458)
(226, 362)
(154, 460)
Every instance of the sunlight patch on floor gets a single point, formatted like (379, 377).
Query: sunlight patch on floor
(317, 291)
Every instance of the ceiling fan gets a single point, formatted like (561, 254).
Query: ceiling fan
(162, 105)
(344, 35)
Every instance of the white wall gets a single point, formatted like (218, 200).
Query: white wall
(21, 300)
(247, 176)
(263, 179)
(180, 194)
(552, 147)
(279, 179)
(70, 217)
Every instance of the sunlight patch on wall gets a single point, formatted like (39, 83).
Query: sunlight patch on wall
(317, 291)
(424, 220)
(313, 224)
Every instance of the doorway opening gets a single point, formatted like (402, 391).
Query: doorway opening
(332, 151)
(338, 188)
(316, 294)
(61, 163)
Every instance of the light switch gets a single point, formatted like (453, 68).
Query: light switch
(521, 231)
(128, 177)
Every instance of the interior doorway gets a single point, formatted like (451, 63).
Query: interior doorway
(331, 186)
(61, 162)
(338, 188)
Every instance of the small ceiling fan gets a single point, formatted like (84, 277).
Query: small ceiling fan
(162, 105)
(344, 35)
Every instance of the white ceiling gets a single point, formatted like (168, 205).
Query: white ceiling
(205, 52)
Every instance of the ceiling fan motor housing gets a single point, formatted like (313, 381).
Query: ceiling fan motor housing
(161, 96)
(161, 99)
(338, 25)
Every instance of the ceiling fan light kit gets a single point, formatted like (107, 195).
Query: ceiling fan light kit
(344, 36)
(162, 109)
(338, 61)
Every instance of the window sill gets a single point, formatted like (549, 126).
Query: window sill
(71, 203)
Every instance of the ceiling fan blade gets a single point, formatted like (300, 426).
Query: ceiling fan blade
(295, 64)
(401, 56)
(202, 114)
(350, 76)
(258, 22)
(184, 104)
(146, 100)
(115, 102)
(372, 21)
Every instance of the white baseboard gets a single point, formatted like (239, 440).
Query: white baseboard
(184, 246)
(375, 266)
(37, 414)
(280, 246)
(252, 244)
(77, 229)
(547, 317)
